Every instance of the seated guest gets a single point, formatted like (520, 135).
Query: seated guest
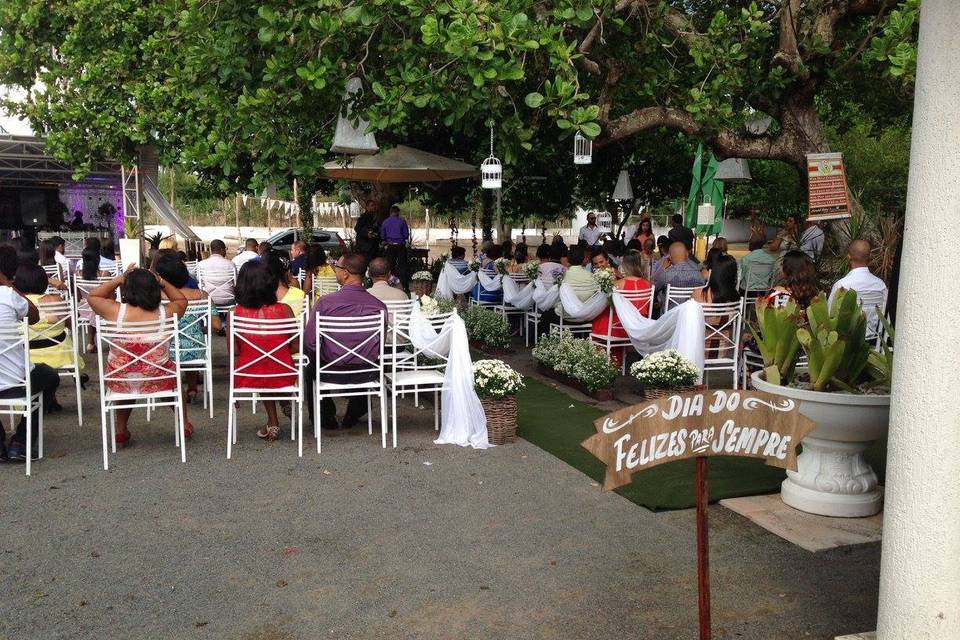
(298, 258)
(647, 257)
(601, 260)
(14, 307)
(288, 292)
(632, 280)
(457, 259)
(108, 256)
(46, 258)
(217, 275)
(249, 253)
(264, 249)
(676, 270)
(506, 250)
(317, 266)
(257, 299)
(55, 351)
(722, 283)
(59, 247)
(798, 280)
(168, 243)
(489, 267)
(141, 292)
(520, 257)
(757, 267)
(379, 273)
(193, 338)
(351, 301)
(579, 279)
(680, 233)
(559, 252)
(862, 281)
(549, 256)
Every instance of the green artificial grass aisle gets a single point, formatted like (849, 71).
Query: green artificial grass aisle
(558, 424)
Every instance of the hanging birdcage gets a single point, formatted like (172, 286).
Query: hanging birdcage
(582, 150)
(491, 171)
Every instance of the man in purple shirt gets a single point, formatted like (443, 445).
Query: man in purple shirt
(395, 234)
(351, 301)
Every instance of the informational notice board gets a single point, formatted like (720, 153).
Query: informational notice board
(827, 187)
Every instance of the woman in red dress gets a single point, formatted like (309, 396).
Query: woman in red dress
(256, 295)
(631, 281)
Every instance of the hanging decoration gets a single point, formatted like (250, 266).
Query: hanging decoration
(523, 230)
(491, 171)
(454, 232)
(543, 230)
(582, 149)
(473, 230)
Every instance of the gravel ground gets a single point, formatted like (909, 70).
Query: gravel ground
(359, 542)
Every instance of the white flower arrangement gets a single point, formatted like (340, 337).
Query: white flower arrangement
(605, 280)
(487, 327)
(501, 264)
(558, 275)
(430, 307)
(578, 358)
(474, 265)
(531, 270)
(665, 370)
(422, 276)
(495, 379)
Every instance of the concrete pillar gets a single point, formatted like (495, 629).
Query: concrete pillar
(920, 567)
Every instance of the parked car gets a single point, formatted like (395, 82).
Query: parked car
(283, 240)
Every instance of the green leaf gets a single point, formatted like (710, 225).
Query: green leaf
(563, 123)
(590, 129)
(533, 100)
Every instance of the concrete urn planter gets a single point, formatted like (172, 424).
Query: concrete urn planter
(833, 478)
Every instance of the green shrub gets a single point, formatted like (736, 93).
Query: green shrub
(577, 358)
(487, 327)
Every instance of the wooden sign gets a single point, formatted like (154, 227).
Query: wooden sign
(827, 187)
(720, 422)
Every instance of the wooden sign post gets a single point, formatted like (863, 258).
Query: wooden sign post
(699, 425)
(826, 187)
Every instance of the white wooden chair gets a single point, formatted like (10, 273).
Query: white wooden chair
(363, 331)
(609, 341)
(289, 330)
(14, 343)
(678, 295)
(61, 320)
(113, 337)
(417, 369)
(323, 286)
(722, 325)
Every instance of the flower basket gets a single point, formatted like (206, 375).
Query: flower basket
(655, 393)
(501, 419)
(421, 287)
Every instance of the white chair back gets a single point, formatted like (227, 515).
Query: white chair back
(53, 271)
(324, 285)
(14, 339)
(217, 285)
(192, 267)
(241, 330)
(870, 301)
(364, 331)
(82, 289)
(678, 295)
(722, 326)
(60, 322)
(407, 356)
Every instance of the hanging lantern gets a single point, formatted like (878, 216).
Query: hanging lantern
(582, 150)
(623, 189)
(491, 171)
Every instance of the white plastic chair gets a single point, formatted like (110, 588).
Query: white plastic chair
(290, 331)
(417, 369)
(722, 325)
(364, 331)
(14, 340)
(114, 337)
(192, 267)
(678, 295)
(531, 318)
(217, 287)
(81, 290)
(507, 310)
(608, 341)
(198, 314)
(323, 285)
(62, 320)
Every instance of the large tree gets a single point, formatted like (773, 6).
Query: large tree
(248, 93)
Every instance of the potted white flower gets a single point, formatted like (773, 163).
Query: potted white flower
(497, 384)
(665, 373)
(421, 283)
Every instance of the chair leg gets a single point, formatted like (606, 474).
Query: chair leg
(181, 435)
(394, 420)
(103, 429)
(113, 431)
(383, 416)
(231, 411)
(40, 435)
(76, 381)
(436, 411)
(317, 420)
(209, 383)
(369, 415)
(29, 417)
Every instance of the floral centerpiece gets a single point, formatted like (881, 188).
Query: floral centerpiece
(486, 328)
(501, 264)
(605, 280)
(497, 385)
(531, 270)
(421, 283)
(430, 307)
(578, 362)
(664, 373)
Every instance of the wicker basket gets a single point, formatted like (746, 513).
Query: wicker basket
(655, 393)
(421, 287)
(501, 419)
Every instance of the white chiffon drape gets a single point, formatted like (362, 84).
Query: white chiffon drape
(545, 297)
(680, 328)
(451, 282)
(517, 297)
(462, 420)
(577, 310)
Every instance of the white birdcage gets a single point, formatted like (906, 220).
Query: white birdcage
(491, 171)
(582, 149)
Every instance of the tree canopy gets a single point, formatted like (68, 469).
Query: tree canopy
(248, 93)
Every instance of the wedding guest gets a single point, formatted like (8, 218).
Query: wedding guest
(249, 253)
(506, 249)
(217, 275)
(59, 247)
(288, 292)
(561, 254)
(789, 234)
(722, 283)
(680, 233)
(256, 295)
(108, 256)
(366, 230)
(14, 308)
(264, 250)
(644, 231)
(457, 259)
(798, 280)
(757, 267)
(351, 301)
(676, 270)
(663, 246)
(396, 234)
(140, 291)
(169, 243)
(862, 281)
(601, 260)
(379, 273)
(479, 293)
(298, 258)
(579, 279)
(590, 232)
(812, 239)
(47, 257)
(520, 257)
(632, 280)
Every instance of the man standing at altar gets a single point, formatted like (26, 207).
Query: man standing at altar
(590, 232)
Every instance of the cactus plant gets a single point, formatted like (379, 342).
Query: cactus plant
(835, 342)
(776, 338)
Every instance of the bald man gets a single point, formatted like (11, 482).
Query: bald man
(871, 290)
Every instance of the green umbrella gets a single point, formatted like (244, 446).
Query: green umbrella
(713, 193)
(693, 198)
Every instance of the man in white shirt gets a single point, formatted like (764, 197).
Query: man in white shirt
(249, 253)
(108, 257)
(811, 240)
(871, 290)
(590, 232)
(217, 275)
(59, 246)
(14, 307)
